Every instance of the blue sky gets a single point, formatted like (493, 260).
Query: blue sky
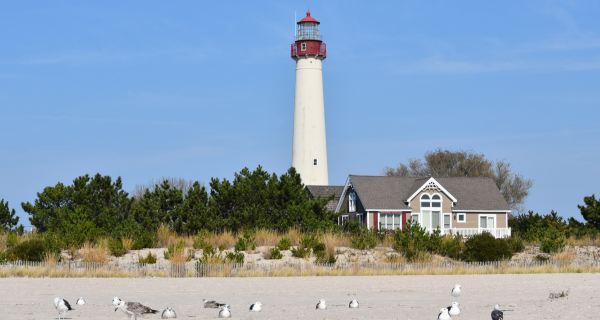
(144, 89)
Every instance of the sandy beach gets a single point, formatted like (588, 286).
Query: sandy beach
(380, 297)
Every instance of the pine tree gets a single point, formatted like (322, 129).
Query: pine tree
(7, 217)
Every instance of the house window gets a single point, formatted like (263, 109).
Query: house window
(430, 219)
(344, 219)
(446, 221)
(352, 202)
(359, 218)
(390, 221)
(487, 221)
(436, 201)
(414, 218)
(461, 217)
(303, 47)
(315, 162)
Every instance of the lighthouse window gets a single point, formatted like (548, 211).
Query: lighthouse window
(303, 47)
(315, 162)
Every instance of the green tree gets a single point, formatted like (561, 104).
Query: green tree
(87, 209)
(591, 210)
(7, 216)
(460, 163)
(162, 205)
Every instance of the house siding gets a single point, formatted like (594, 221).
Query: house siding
(473, 219)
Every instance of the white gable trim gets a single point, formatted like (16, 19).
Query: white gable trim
(432, 183)
(348, 184)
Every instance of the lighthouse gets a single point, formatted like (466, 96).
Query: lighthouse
(309, 148)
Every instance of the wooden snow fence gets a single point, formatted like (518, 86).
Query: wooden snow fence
(191, 269)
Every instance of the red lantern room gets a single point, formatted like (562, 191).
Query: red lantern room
(308, 40)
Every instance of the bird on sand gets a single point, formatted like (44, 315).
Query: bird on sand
(256, 307)
(134, 309)
(453, 310)
(321, 305)
(80, 301)
(353, 304)
(116, 301)
(168, 313)
(63, 306)
(225, 313)
(497, 314)
(443, 315)
(456, 291)
(212, 304)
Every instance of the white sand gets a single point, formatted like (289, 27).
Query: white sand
(382, 297)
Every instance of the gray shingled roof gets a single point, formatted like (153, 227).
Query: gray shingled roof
(325, 191)
(381, 192)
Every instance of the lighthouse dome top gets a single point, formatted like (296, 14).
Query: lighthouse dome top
(308, 19)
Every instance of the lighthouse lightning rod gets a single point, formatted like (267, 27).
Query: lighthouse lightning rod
(295, 35)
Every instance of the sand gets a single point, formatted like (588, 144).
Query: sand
(380, 297)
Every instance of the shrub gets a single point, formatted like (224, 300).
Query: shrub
(235, 257)
(452, 246)
(150, 258)
(484, 247)
(325, 258)
(145, 240)
(245, 243)
(201, 239)
(516, 243)
(311, 242)
(221, 247)
(300, 252)
(274, 254)
(552, 240)
(435, 241)
(116, 248)
(413, 241)
(127, 243)
(540, 257)
(364, 240)
(30, 250)
(284, 244)
(176, 250)
(94, 253)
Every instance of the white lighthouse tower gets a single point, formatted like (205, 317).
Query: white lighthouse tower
(309, 152)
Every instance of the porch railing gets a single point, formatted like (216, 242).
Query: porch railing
(468, 232)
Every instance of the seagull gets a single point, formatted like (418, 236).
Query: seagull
(134, 309)
(353, 304)
(116, 301)
(256, 307)
(321, 305)
(456, 291)
(444, 315)
(168, 314)
(225, 313)
(497, 314)
(62, 305)
(80, 301)
(453, 310)
(212, 304)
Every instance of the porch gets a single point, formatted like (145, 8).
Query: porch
(468, 232)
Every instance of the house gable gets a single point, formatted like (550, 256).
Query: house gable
(431, 185)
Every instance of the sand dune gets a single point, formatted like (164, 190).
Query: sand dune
(384, 297)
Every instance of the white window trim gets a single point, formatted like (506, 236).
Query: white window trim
(352, 202)
(361, 215)
(487, 215)
(446, 214)
(431, 219)
(303, 46)
(393, 226)
(345, 216)
(459, 215)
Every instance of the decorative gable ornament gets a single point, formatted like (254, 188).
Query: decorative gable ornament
(431, 186)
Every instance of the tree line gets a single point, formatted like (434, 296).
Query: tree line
(96, 206)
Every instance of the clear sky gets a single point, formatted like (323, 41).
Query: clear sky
(144, 89)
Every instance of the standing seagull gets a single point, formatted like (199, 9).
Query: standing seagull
(497, 314)
(353, 304)
(62, 305)
(456, 291)
(116, 301)
(225, 313)
(444, 315)
(321, 305)
(168, 314)
(80, 301)
(212, 304)
(453, 310)
(256, 307)
(134, 309)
